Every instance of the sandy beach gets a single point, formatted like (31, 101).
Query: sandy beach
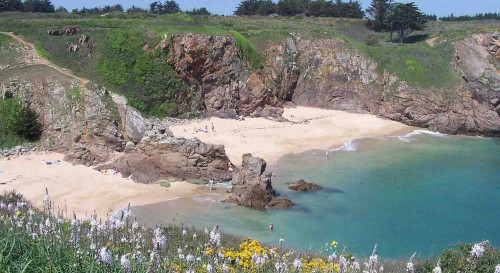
(83, 189)
(310, 128)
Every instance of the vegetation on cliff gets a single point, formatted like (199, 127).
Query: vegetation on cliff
(43, 241)
(18, 123)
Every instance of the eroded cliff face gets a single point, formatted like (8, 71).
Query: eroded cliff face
(327, 73)
(225, 83)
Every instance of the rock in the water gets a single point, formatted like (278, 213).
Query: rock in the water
(252, 185)
(304, 185)
(279, 203)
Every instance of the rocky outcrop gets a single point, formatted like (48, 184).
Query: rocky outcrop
(224, 82)
(252, 186)
(64, 31)
(333, 75)
(304, 185)
(166, 157)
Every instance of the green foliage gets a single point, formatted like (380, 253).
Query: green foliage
(76, 96)
(377, 15)
(18, 123)
(248, 50)
(148, 82)
(405, 19)
(200, 11)
(459, 260)
(371, 40)
(40, 51)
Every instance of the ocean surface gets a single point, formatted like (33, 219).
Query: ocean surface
(422, 192)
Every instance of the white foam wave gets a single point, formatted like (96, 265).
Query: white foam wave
(226, 185)
(407, 137)
(204, 199)
(347, 147)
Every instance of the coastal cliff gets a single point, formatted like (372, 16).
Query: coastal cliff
(329, 73)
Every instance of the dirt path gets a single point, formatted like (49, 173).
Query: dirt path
(32, 57)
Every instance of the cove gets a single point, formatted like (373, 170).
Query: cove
(422, 192)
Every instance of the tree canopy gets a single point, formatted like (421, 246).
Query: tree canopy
(377, 15)
(323, 8)
(406, 18)
(27, 6)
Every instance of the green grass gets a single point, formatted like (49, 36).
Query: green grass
(248, 50)
(8, 54)
(41, 51)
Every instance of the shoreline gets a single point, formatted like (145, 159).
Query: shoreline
(307, 129)
(82, 189)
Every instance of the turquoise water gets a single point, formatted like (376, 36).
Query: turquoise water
(417, 193)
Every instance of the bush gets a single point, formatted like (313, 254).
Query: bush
(248, 50)
(18, 123)
(146, 79)
(460, 260)
(371, 40)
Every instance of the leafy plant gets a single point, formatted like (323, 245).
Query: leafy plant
(248, 50)
(18, 123)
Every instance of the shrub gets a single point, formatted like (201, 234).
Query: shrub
(371, 40)
(18, 123)
(248, 50)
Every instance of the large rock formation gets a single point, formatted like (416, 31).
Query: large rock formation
(331, 74)
(252, 186)
(172, 158)
(224, 81)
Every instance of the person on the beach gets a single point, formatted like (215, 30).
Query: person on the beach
(271, 227)
(211, 184)
(230, 166)
(206, 129)
(213, 127)
(326, 154)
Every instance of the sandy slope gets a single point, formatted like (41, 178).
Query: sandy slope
(313, 129)
(84, 189)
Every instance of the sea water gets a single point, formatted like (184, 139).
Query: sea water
(422, 193)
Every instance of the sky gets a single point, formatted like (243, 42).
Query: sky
(227, 7)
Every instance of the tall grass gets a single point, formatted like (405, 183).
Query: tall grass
(248, 50)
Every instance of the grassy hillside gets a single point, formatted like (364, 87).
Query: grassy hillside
(43, 241)
(123, 67)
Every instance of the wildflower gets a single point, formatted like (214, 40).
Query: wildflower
(355, 266)
(135, 226)
(92, 246)
(409, 265)
(209, 268)
(373, 260)
(205, 231)
(34, 235)
(159, 240)
(297, 264)
(215, 238)
(332, 257)
(342, 262)
(280, 267)
(497, 269)
(20, 204)
(194, 235)
(105, 256)
(125, 262)
(190, 258)
(184, 232)
(282, 240)
(477, 250)
(225, 268)
(437, 269)
(334, 244)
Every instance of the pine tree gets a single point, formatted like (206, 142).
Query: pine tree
(404, 19)
(377, 15)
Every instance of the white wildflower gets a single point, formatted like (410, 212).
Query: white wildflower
(190, 258)
(297, 264)
(135, 226)
(209, 268)
(409, 266)
(437, 269)
(332, 257)
(225, 268)
(105, 256)
(34, 235)
(206, 231)
(184, 232)
(355, 266)
(194, 235)
(125, 262)
(93, 246)
(282, 240)
(280, 267)
(342, 262)
(497, 269)
(215, 238)
(381, 269)
(477, 250)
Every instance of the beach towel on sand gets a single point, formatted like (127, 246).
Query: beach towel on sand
(1, 171)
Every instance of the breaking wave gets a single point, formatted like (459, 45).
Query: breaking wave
(347, 147)
(407, 137)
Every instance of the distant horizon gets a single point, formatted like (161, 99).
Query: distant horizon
(227, 7)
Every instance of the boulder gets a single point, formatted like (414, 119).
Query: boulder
(279, 203)
(252, 185)
(304, 185)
